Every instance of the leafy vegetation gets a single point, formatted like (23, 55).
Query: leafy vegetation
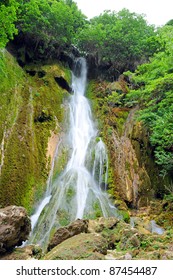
(153, 83)
(8, 17)
(49, 24)
(119, 41)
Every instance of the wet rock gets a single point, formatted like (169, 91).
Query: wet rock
(15, 227)
(79, 247)
(77, 68)
(62, 234)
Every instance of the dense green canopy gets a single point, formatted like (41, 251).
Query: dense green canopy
(121, 40)
(8, 17)
(44, 24)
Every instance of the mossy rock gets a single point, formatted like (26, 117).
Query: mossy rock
(85, 246)
(30, 109)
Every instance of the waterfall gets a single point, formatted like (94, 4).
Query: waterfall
(80, 190)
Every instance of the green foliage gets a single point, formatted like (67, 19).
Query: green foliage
(115, 98)
(118, 39)
(49, 25)
(125, 215)
(8, 10)
(153, 83)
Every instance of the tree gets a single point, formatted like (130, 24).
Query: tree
(121, 40)
(8, 17)
(48, 25)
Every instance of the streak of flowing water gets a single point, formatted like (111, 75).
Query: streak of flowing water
(79, 192)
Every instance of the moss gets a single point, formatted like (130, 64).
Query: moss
(97, 209)
(30, 109)
(82, 246)
(70, 194)
(121, 119)
(125, 215)
(127, 166)
(63, 218)
(111, 121)
(61, 160)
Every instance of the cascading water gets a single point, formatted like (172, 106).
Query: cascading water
(79, 192)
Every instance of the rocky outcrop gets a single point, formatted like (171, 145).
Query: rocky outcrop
(64, 233)
(136, 175)
(15, 227)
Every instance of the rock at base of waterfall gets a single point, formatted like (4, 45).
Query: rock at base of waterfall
(15, 227)
(84, 246)
(64, 233)
(102, 223)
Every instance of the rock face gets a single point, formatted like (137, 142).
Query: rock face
(137, 176)
(25, 125)
(64, 233)
(15, 227)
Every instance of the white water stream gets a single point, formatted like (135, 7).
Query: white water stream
(80, 190)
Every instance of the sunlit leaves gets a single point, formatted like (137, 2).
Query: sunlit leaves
(7, 21)
(154, 94)
(119, 39)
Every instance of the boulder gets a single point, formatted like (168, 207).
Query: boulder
(64, 233)
(15, 226)
(102, 223)
(84, 246)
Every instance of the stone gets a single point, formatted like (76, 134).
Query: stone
(84, 246)
(128, 256)
(15, 226)
(64, 233)
(102, 223)
(132, 242)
